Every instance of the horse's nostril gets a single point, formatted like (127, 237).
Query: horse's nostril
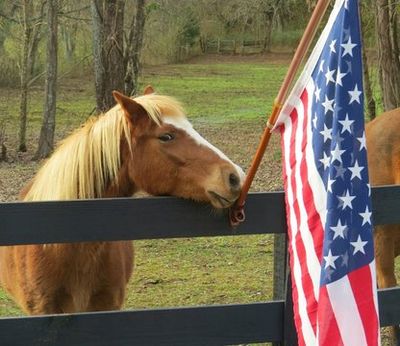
(234, 181)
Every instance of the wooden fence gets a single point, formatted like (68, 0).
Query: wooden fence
(242, 47)
(122, 219)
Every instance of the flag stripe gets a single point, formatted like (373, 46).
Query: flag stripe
(328, 329)
(363, 301)
(346, 313)
(300, 301)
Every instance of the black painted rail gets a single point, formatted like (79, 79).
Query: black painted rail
(154, 218)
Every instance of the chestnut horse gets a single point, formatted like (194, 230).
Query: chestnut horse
(383, 144)
(142, 144)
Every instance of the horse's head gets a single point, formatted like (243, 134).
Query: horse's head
(167, 156)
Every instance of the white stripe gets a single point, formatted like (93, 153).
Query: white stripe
(372, 268)
(310, 65)
(346, 312)
(307, 330)
(313, 263)
(183, 124)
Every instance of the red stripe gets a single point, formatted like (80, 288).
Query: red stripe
(295, 294)
(314, 220)
(328, 330)
(363, 295)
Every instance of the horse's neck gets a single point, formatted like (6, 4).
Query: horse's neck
(122, 187)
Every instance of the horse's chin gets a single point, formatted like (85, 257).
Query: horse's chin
(220, 201)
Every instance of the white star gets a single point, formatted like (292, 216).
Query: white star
(346, 4)
(369, 190)
(321, 66)
(329, 76)
(336, 154)
(358, 245)
(330, 260)
(325, 161)
(348, 47)
(317, 94)
(328, 104)
(338, 230)
(366, 215)
(327, 133)
(315, 121)
(329, 184)
(355, 95)
(346, 123)
(356, 171)
(362, 141)
(339, 77)
(332, 46)
(346, 199)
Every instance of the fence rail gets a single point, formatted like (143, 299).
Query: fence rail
(118, 219)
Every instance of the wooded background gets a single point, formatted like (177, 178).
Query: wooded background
(42, 41)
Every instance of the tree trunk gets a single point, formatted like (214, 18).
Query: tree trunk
(108, 25)
(46, 140)
(389, 64)
(268, 23)
(24, 74)
(133, 49)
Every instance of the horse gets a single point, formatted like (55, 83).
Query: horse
(383, 151)
(145, 144)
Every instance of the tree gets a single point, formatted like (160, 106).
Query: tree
(108, 52)
(46, 140)
(133, 49)
(388, 53)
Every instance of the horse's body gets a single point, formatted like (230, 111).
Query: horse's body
(383, 144)
(143, 144)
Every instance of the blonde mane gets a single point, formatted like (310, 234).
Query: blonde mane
(89, 159)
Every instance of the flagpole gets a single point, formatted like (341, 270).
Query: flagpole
(237, 213)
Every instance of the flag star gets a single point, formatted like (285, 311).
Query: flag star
(329, 76)
(340, 171)
(325, 161)
(346, 199)
(356, 171)
(346, 4)
(366, 215)
(346, 123)
(330, 260)
(362, 141)
(314, 121)
(329, 184)
(317, 94)
(358, 245)
(332, 46)
(338, 230)
(327, 133)
(339, 77)
(355, 95)
(345, 259)
(348, 47)
(349, 66)
(369, 190)
(328, 104)
(321, 66)
(337, 154)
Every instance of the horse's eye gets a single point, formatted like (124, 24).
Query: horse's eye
(166, 137)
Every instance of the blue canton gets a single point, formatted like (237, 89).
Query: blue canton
(338, 140)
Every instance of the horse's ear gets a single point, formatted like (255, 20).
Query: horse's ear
(148, 90)
(130, 107)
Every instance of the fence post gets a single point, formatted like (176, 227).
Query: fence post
(218, 46)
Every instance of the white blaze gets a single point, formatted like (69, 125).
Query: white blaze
(185, 125)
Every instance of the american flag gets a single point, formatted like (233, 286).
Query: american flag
(327, 191)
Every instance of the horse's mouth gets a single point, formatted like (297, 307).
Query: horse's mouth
(219, 201)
